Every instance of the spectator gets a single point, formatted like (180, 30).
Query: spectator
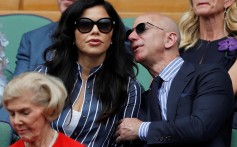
(209, 36)
(33, 43)
(90, 57)
(194, 104)
(34, 100)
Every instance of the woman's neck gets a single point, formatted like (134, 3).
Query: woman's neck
(88, 63)
(212, 28)
(45, 140)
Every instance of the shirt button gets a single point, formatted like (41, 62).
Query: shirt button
(84, 116)
(88, 87)
(75, 133)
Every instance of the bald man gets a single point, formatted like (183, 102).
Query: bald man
(193, 106)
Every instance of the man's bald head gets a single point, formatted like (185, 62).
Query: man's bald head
(161, 21)
(154, 41)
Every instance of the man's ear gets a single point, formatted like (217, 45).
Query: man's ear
(228, 3)
(170, 39)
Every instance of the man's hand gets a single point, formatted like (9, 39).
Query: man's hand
(127, 129)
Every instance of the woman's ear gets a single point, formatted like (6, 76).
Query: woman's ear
(171, 39)
(228, 3)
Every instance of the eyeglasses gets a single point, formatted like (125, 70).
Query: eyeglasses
(141, 28)
(85, 25)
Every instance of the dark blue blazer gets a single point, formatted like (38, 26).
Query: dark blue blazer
(32, 46)
(199, 109)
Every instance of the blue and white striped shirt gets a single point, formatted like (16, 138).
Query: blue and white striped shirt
(87, 131)
(167, 74)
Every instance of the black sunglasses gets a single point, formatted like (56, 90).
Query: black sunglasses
(85, 25)
(141, 28)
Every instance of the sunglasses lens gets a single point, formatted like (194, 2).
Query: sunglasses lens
(105, 25)
(84, 25)
(140, 28)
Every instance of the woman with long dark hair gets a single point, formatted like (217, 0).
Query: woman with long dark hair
(89, 55)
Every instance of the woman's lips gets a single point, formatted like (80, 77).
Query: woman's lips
(21, 131)
(94, 42)
(200, 4)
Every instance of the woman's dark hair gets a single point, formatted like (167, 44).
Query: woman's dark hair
(112, 80)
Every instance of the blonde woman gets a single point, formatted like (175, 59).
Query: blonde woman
(208, 36)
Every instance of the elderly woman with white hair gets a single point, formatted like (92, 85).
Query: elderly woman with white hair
(33, 101)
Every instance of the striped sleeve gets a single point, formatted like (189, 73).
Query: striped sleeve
(132, 106)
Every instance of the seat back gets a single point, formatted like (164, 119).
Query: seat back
(13, 26)
(6, 134)
(234, 138)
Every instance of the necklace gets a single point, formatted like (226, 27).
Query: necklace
(204, 52)
(55, 136)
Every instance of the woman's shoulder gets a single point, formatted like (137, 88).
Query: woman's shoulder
(135, 82)
(41, 68)
(135, 86)
(65, 141)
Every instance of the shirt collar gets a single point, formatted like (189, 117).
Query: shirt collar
(92, 71)
(171, 69)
